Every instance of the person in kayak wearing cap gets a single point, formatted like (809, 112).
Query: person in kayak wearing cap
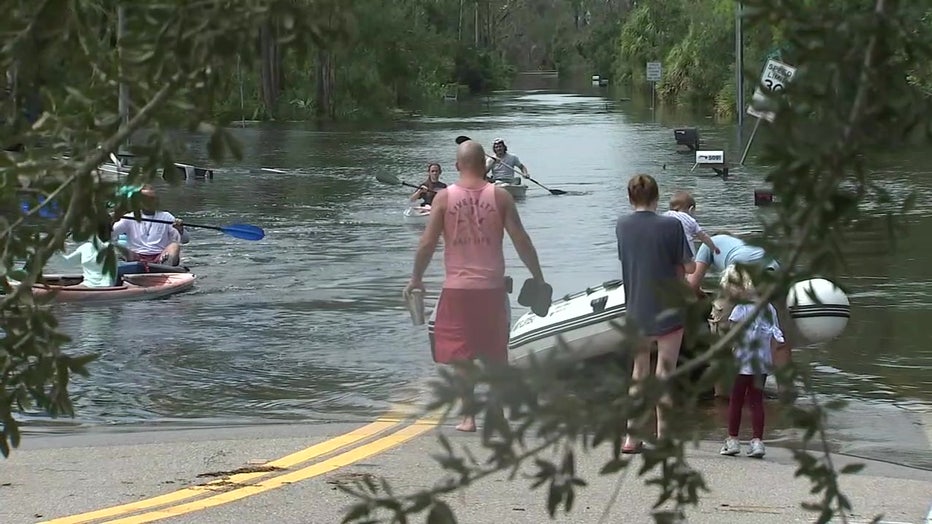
(504, 166)
(152, 242)
(428, 190)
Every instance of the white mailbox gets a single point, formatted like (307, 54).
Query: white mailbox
(710, 157)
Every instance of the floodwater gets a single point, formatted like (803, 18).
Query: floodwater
(308, 324)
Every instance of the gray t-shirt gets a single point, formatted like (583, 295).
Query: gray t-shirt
(651, 248)
(501, 171)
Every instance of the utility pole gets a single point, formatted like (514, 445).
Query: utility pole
(123, 104)
(739, 68)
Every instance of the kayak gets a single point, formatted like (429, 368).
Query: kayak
(516, 190)
(417, 212)
(144, 286)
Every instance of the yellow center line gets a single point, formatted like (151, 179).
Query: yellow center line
(298, 457)
(343, 459)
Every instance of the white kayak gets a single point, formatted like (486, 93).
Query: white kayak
(516, 190)
(583, 320)
(417, 212)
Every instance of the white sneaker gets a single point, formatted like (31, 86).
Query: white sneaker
(756, 448)
(731, 448)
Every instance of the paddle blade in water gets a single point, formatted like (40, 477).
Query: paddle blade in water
(244, 231)
(462, 138)
(385, 178)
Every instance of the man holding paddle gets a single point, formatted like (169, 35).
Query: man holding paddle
(504, 166)
(148, 240)
(472, 320)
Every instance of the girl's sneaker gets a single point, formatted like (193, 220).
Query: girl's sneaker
(731, 448)
(756, 448)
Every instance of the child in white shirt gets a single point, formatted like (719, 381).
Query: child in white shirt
(754, 355)
(94, 275)
(682, 207)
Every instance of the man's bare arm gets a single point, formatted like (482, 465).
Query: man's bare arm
(431, 236)
(519, 236)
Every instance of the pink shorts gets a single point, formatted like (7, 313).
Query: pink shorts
(471, 324)
(152, 259)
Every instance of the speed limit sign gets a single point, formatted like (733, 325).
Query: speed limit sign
(774, 79)
(776, 75)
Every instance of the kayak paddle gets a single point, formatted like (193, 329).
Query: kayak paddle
(241, 231)
(462, 138)
(393, 180)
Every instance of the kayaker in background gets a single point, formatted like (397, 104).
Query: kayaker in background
(92, 270)
(472, 320)
(151, 241)
(504, 165)
(655, 257)
(735, 251)
(428, 190)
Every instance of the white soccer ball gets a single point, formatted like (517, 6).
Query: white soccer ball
(819, 308)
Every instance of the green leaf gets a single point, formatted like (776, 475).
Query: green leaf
(851, 469)
(440, 513)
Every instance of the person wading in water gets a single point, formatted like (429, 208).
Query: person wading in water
(472, 320)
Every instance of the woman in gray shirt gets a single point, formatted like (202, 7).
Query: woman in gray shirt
(655, 257)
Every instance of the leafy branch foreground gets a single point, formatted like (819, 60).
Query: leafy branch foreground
(64, 64)
(851, 98)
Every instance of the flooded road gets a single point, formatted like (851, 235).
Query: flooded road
(309, 324)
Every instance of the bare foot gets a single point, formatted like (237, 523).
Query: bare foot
(468, 425)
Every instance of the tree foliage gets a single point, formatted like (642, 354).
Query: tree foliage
(64, 64)
(852, 98)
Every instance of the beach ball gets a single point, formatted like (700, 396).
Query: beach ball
(819, 308)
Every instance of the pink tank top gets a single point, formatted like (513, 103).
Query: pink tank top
(473, 230)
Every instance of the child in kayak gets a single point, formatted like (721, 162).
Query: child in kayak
(682, 207)
(92, 270)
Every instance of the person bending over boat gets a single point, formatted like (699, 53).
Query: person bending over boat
(152, 242)
(655, 256)
(504, 166)
(428, 190)
(472, 320)
(734, 251)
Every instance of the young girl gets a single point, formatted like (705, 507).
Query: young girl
(682, 207)
(753, 352)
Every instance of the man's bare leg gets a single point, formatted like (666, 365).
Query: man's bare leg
(640, 371)
(468, 424)
(668, 351)
(783, 356)
(171, 255)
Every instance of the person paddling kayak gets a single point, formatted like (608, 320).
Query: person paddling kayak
(503, 165)
(428, 190)
(150, 241)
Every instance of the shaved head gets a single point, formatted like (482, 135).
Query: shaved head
(470, 158)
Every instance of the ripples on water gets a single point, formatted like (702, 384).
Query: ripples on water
(308, 323)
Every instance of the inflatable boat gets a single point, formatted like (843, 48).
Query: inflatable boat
(587, 322)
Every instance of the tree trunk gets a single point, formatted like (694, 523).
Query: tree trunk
(325, 82)
(271, 76)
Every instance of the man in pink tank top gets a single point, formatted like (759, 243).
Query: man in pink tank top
(472, 315)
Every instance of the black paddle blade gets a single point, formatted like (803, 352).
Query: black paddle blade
(557, 192)
(462, 138)
(385, 178)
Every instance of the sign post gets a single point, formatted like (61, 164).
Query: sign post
(775, 77)
(654, 73)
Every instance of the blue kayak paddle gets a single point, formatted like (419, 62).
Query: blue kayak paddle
(241, 231)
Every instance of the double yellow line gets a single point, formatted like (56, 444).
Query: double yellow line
(173, 504)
